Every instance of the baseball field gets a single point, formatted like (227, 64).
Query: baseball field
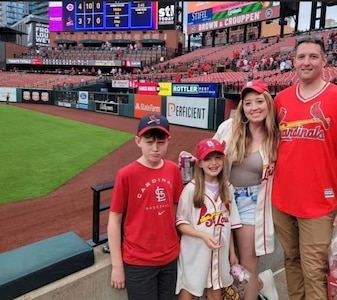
(41, 152)
(69, 205)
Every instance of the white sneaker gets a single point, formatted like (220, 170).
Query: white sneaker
(269, 288)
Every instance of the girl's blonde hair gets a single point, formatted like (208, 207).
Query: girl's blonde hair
(224, 192)
(238, 146)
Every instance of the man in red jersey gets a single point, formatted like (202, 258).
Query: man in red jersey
(305, 182)
(144, 247)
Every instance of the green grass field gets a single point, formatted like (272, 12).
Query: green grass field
(40, 152)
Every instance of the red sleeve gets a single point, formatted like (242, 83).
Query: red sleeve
(120, 194)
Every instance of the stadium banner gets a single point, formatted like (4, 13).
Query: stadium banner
(38, 35)
(207, 16)
(209, 90)
(10, 92)
(122, 84)
(83, 99)
(148, 88)
(165, 88)
(67, 62)
(147, 104)
(132, 63)
(107, 107)
(183, 111)
(104, 63)
(64, 104)
(167, 12)
(36, 96)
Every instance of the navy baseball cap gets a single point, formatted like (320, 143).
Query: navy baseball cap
(153, 121)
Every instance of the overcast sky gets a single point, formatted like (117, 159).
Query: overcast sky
(305, 15)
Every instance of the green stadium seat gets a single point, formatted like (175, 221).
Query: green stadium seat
(32, 266)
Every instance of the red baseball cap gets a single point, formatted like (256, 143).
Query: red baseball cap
(153, 121)
(208, 146)
(258, 86)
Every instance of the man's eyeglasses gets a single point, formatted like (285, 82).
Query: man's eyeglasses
(310, 38)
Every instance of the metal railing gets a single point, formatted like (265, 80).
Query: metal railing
(98, 238)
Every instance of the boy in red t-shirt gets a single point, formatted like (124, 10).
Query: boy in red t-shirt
(143, 240)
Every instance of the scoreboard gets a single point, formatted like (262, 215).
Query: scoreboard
(102, 15)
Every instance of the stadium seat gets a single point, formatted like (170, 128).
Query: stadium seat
(29, 267)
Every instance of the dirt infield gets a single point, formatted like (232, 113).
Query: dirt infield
(69, 208)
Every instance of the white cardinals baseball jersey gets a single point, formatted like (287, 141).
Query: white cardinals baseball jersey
(199, 267)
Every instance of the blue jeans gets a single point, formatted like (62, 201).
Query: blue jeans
(245, 198)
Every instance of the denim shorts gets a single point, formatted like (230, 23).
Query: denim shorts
(245, 198)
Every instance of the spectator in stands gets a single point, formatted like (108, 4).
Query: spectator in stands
(304, 191)
(252, 139)
(330, 59)
(177, 78)
(249, 51)
(288, 64)
(278, 38)
(242, 53)
(143, 210)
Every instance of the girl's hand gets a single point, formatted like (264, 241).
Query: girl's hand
(193, 158)
(211, 242)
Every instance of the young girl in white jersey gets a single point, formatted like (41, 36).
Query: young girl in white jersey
(205, 216)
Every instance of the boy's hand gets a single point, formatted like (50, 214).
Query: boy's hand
(118, 278)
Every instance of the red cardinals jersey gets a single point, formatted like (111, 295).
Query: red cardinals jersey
(305, 179)
(146, 197)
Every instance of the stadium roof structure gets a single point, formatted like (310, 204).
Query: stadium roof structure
(91, 41)
(152, 41)
(8, 30)
(65, 41)
(121, 41)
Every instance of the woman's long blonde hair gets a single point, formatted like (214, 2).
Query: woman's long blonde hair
(224, 192)
(241, 138)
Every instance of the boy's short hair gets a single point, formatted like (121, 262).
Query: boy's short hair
(153, 121)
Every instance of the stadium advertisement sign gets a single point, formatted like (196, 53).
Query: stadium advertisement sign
(36, 96)
(165, 88)
(148, 88)
(166, 15)
(69, 62)
(183, 111)
(8, 91)
(214, 16)
(83, 99)
(119, 83)
(209, 90)
(147, 104)
(107, 107)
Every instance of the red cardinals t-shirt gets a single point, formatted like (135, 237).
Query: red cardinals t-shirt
(305, 181)
(147, 196)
